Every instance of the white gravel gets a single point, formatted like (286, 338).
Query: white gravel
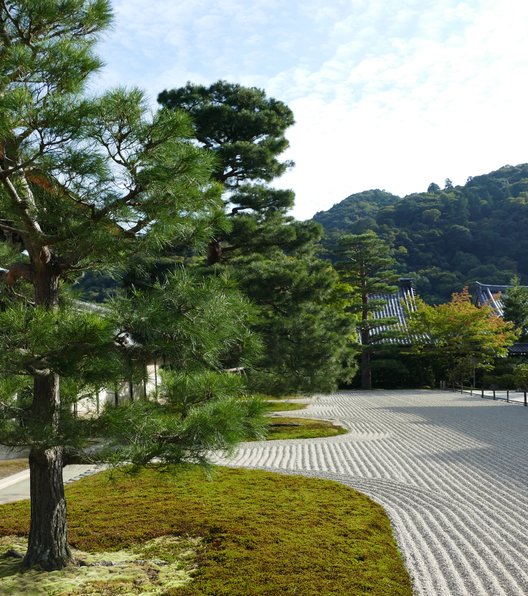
(450, 470)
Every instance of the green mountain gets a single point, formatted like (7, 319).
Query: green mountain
(447, 238)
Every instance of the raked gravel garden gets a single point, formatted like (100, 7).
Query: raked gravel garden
(450, 470)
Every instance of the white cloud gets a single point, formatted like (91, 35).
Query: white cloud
(444, 102)
(386, 93)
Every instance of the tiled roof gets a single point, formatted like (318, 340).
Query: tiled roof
(518, 349)
(491, 295)
(395, 307)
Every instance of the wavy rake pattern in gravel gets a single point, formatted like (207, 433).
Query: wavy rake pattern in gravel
(450, 470)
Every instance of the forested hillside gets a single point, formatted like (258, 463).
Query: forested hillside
(447, 238)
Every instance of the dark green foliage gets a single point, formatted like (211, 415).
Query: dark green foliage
(520, 376)
(449, 238)
(243, 127)
(100, 182)
(303, 323)
(433, 187)
(515, 304)
(94, 286)
(89, 183)
(144, 430)
(190, 319)
(198, 325)
(501, 381)
(300, 311)
(365, 263)
(393, 367)
(244, 130)
(357, 213)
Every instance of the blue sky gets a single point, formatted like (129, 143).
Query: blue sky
(390, 94)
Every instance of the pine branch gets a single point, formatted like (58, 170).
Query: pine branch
(24, 206)
(11, 229)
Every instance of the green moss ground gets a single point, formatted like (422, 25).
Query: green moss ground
(12, 466)
(297, 428)
(284, 406)
(154, 567)
(255, 532)
(302, 428)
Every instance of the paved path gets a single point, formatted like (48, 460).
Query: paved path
(450, 470)
(16, 487)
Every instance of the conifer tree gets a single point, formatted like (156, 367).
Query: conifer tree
(301, 314)
(366, 264)
(88, 183)
(245, 131)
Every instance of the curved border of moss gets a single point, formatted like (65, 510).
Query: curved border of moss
(302, 428)
(12, 466)
(255, 531)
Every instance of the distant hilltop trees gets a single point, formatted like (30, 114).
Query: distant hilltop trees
(446, 238)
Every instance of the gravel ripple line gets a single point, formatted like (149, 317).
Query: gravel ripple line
(449, 469)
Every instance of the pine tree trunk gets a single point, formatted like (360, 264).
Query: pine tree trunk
(214, 253)
(366, 372)
(48, 534)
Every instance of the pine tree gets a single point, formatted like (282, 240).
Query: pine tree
(366, 264)
(89, 183)
(300, 310)
(302, 318)
(244, 130)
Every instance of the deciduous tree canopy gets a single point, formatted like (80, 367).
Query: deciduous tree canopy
(461, 336)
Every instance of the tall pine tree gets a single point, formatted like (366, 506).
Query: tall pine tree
(245, 130)
(301, 316)
(87, 183)
(366, 264)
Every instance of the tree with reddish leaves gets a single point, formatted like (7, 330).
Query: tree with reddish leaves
(460, 337)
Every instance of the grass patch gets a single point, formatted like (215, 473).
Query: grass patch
(284, 406)
(12, 466)
(297, 428)
(302, 428)
(258, 532)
